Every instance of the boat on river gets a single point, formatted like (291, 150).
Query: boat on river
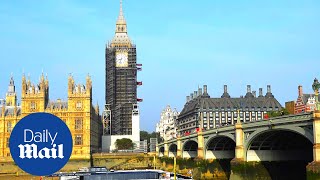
(101, 173)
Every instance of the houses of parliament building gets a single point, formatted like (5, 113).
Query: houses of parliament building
(77, 112)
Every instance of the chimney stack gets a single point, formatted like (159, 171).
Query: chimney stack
(260, 92)
(205, 91)
(188, 98)
(199, 91)
(195, 93)
(248, 89)
(191, 96)
(268, 89)
(225, 89)
(300, 90)
(254, 93)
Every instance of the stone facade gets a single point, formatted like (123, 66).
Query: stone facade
(167, 126)
(77, 112)
(203, 112)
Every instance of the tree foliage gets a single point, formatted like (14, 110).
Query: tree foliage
(144, 135)
(282, 112)
(124, 144)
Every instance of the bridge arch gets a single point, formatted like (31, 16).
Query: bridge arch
(298, 130)
(279, 145)
(190, 149)
(173, 148)
(220, 147)
(161, 151)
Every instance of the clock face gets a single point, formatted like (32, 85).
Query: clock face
(122, 59)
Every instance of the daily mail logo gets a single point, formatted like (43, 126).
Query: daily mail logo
(41, 144)
(31, 151)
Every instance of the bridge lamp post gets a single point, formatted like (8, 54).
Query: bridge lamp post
(316, 87)
(238, 118)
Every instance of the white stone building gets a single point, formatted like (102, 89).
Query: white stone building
(167, 126)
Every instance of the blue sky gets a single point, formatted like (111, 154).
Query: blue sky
(181, 44)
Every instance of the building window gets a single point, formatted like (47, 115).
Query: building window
(79, 105)
(78, 124)
(78, 140)
(9, 126)
(32, 105)
(7, 143)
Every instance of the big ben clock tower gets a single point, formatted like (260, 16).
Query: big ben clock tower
(121, 84)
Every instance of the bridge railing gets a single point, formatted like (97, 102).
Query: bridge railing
(283, 117)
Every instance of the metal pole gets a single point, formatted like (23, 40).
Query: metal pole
(316, 96)
(4, 127)
(315, 87)
(174, 168)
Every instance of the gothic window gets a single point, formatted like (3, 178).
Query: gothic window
(79, 105)
(168, 115)
(32, 105)
(78, 140)
(7, 143)
(78, 124)
(9, 126)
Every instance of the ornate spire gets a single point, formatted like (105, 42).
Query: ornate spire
(11, 87)
(121, 19)
(121, 38)
(11, 80)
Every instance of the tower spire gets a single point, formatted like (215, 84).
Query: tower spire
(121, 37)
(121, 20)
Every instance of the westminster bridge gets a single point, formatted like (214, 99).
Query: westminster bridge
(288, 138)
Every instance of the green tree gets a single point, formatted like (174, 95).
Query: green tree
(144, 135)
(282, 112)
(124, 144)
